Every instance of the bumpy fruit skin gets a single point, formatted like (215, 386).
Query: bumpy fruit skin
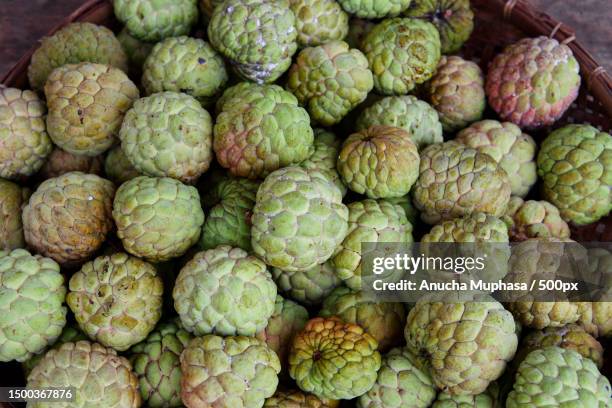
(412, 214)
(534, 219)
(99, 376)
(61, 162)
(335, 360)
(157, 218)
(12, 200)
(369, 221)
(542, 258)
(156, 362)
(87, 103)
(469, 338)
(380, 162)
(32, 294)
(70, 333)
(184, 64)
(116, 299)
(288, 319)
(325, 157)
(261, 128)
(596, 316)
(456, 91)
(137, 51)
(384, 321)
(309, 286)
(514, 150)
(257, 36)
(455, 181)
(330, 80)
(572, 337)
(234, 371)
(575, 164)
(403, 381)
(168, 134)
(229, 218)
(488, 399)
(117, 167)
(374, 9)
(298, 399)
(416, 117)
(68, 217)
(154, 20)
(224, 291)
(555, 377)
(454, 20)
(533, 82)
(319, 21)
(75, 43)
(24, 138)
(298, 219)
(402, 53)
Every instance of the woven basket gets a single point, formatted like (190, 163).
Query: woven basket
(498, 23)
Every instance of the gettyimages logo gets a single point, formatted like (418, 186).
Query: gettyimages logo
(533, 270)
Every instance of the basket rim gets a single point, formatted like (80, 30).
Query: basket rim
(517, 12)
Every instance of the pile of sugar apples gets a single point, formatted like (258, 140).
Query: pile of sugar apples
(183, 203)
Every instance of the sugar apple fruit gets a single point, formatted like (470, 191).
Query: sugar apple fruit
(412, 214)
(298, 219)
(572, 337)
(185, 64)
(258, 37)
(456, 91)
(168, 134)
(87, 103)
(514, 151)
(319, 21)
(454, 20)
(380, 162)
(333, 359)
(70, 333)
(384, 321)
(488, 399)
(455, 181)
(117, 167)
(403, 381)
(374, 9)
(309, 286)
(259, 129)
(575, 164)
(369, 221)
(288, 319)
(68, 217)
(99, 377)
(402, 53)
(556, 377)
(12, 200)
(154, 20)
(298, 399)
(325, 157)
(330, 80)
(533, 82)
(224, 291)
(228, 222)
(24, 138)
(416, 117)
(75, 43)
(233, 371)
(156, 362)
(596, 316)
(32, 313)
(116, 299)
(157, 218)
(534, 219)
(137, 51)
(61, 162)
(468, 338)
